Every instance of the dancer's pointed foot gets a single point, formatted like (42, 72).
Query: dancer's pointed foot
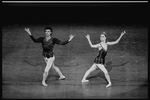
(62, 78)
(44, 83)
(108, 85)
(84, 81)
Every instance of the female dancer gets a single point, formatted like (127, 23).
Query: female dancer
(48, 43)
(99, 61)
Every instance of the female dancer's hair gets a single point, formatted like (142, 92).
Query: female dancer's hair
(104, 33)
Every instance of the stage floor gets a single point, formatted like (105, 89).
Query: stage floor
(63, 89)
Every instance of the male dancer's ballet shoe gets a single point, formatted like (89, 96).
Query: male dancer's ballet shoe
(44, 84)
(62, 78)
(84, 81)
(108, 85)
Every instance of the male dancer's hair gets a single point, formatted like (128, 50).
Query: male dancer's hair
(48, 28)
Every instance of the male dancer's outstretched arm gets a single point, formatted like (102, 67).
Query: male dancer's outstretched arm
(64, 42)
(35, 40)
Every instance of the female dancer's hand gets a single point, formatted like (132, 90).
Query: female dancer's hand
(71, 37)
(28, 31)
(87, 36)
(123, 33)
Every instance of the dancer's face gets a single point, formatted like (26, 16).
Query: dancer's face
(102, 37)
(48, 32)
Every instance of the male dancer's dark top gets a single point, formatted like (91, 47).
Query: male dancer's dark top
(48, 45)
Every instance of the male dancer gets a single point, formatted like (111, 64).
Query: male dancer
(48, 43)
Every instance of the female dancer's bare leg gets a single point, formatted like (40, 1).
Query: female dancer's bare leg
(102, 67)
(88, 72)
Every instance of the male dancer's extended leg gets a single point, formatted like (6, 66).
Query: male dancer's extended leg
(58, 71)
(106, 73)
(88, 72)
(49, 62)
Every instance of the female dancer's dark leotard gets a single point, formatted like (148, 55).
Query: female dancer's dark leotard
(100, 59)
(48, 45)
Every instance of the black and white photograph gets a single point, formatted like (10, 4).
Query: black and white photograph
(74, 50)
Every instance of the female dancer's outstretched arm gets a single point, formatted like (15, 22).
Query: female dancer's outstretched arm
(115, 42)
(92, 46)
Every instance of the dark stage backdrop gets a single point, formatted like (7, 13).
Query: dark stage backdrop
(114, 13)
